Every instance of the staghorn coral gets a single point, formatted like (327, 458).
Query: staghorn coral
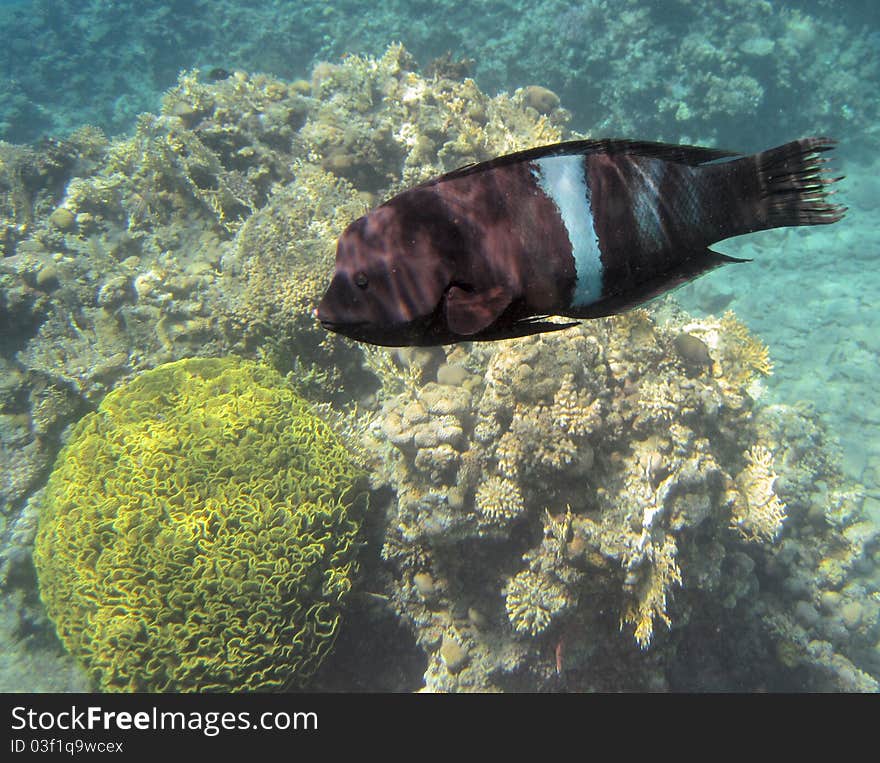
(198, 533)
(213, 154)
(394, 376)
(747, 355)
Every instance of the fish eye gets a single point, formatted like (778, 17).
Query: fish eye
(361, 280)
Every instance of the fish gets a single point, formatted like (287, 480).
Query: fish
(580, 229)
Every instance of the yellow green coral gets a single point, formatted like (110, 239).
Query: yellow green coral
(198, 533)
(747, 356)
(652, 590)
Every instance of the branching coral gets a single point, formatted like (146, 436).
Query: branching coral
(758, 514)
(746, 355)
(498, 499)
(533, 600)
(393, 378)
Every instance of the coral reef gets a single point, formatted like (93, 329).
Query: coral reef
(532, 498)
(600, 479)
(198, 533)
(370, 127)
(827, 558)
(213, 226)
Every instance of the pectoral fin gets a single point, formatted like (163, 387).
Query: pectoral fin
(468, 312)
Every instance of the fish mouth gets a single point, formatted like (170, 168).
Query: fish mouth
(341, 326)
(334, 325)
(388, 336)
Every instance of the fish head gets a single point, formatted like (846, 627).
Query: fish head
(388, 283)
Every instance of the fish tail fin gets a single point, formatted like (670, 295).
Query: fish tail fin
(783, 186)
(794, 182)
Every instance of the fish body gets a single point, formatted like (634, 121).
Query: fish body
(580, 229)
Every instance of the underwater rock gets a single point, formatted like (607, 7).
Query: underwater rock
(454, 655)
(63, 219)
(758, 46)
(452, 374)
(851, 612)
(114, 292)
(541, 99)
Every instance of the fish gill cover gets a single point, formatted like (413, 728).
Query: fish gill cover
(587, 508)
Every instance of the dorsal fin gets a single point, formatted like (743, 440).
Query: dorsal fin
(690, 155)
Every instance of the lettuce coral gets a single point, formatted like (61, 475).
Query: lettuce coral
(198, 533)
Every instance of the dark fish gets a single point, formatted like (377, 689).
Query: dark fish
(217, 73)
(580, 229)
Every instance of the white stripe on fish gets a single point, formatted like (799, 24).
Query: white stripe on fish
(563, 179)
